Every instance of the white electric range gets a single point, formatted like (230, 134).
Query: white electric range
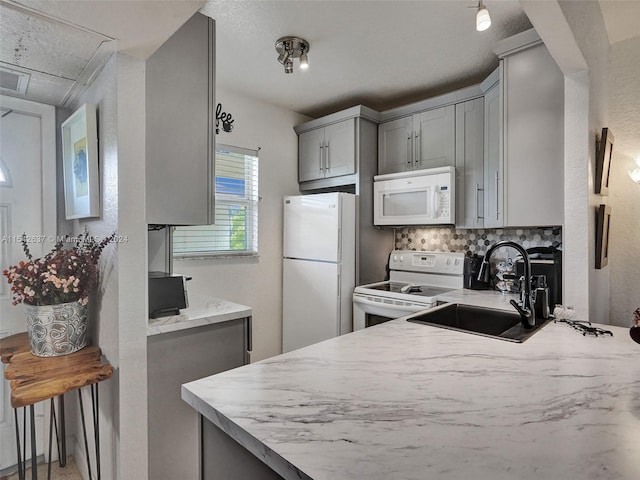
(416, 279)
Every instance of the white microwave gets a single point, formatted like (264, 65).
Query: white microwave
(418, 197)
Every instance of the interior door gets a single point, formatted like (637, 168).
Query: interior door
(27, 205)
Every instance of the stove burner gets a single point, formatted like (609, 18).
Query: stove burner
(584, 327)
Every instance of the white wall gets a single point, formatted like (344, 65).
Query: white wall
(118, 311)
(624, 196)
(256, 282)
(587, 24)
(103, 307)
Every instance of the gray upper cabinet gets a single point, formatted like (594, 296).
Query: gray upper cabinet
(422, 140)
(180, 123)
(470, 164)
(328, 151)
(524, 139)
(493, 159)
(533, 87)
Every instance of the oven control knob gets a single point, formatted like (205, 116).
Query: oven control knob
(395, 258)
(448, 261)
(401, 259)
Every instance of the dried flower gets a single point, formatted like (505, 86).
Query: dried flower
(63, 275)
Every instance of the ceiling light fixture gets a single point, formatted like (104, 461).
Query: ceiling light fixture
(483, 20)
(289, 48)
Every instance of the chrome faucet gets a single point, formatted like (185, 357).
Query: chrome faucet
(527, 294)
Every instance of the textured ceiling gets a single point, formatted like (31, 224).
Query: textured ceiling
(378, 53)
(621, 18)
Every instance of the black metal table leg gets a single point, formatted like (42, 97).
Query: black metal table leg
(19, 450)
(52, 414)
(96, 425)
(84, 432)
(62, 439)
(34, 460)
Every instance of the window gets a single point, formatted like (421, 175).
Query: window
(5, 178)
(236, 217)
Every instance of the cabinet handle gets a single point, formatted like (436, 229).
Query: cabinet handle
(321, 159)
(478, 199)
(409, 152)
(326, 156)
(416, 148)
(497, 196)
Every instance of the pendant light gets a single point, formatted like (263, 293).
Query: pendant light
(483, 20)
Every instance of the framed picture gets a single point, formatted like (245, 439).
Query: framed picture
(603, 220)
(80, 163)
(603, 161)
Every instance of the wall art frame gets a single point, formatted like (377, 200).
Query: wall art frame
(603, 222)
(604, 150)
(80, 163)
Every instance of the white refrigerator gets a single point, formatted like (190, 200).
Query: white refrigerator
(319, 267)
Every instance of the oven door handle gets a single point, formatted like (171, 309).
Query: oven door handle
(403, 308)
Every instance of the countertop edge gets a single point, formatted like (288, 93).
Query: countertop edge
(256, 447)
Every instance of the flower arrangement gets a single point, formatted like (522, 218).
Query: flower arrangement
(63, 275)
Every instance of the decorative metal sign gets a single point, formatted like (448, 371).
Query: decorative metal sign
(226, 119)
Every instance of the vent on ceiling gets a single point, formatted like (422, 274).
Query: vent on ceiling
(13, 81)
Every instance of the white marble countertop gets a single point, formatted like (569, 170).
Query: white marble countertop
(407, 401)
(202, 310)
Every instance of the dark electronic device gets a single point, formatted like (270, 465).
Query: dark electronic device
(167, 294)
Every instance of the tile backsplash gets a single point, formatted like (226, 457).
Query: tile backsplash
(449, 239)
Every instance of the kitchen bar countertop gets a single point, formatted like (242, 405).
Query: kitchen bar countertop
(202, 310)
(407, 401)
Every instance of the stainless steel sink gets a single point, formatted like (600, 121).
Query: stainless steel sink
(489, 322)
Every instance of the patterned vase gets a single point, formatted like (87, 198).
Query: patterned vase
(56, 330)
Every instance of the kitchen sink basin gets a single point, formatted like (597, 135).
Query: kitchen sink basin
(489, 322)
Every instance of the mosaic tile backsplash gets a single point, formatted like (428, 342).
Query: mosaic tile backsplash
(449, 239)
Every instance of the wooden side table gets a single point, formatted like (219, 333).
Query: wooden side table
(35, 379)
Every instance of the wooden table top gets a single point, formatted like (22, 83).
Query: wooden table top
(34, 379)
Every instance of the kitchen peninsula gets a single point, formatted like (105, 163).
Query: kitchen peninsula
(407, 401)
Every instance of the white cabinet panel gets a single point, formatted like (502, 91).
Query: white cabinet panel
(493, 159)
(340, 148)
(310, 155)
(395, 146)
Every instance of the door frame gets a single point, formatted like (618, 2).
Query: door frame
(48, 184)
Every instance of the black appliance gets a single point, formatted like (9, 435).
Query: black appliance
(167, 294)
(471, 270)
(546, 261)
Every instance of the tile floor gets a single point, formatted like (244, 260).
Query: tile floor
(70, 472)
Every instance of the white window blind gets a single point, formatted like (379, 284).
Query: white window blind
(235, 231)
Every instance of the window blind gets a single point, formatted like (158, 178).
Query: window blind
(235, 231)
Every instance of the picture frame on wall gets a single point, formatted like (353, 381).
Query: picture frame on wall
(80, 163)
(604, 150)
(603, 221)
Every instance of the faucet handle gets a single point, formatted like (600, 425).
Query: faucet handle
(526, 314)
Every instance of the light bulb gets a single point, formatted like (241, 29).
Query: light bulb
(635, 175)
(483, 20)
(304, 61)
(288, 66)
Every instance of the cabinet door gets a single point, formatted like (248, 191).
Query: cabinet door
(395, 146)
(177, 358)
(179, 126)
(470, 164)
(340, 148)
(311, 155)
(493, 162)
(434, 138)
(534, 139)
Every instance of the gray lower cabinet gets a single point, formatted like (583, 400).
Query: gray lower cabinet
(225, 459)
(470, 164)
(327, 152)
(177, 358)
(180, 123)
(422, 140)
